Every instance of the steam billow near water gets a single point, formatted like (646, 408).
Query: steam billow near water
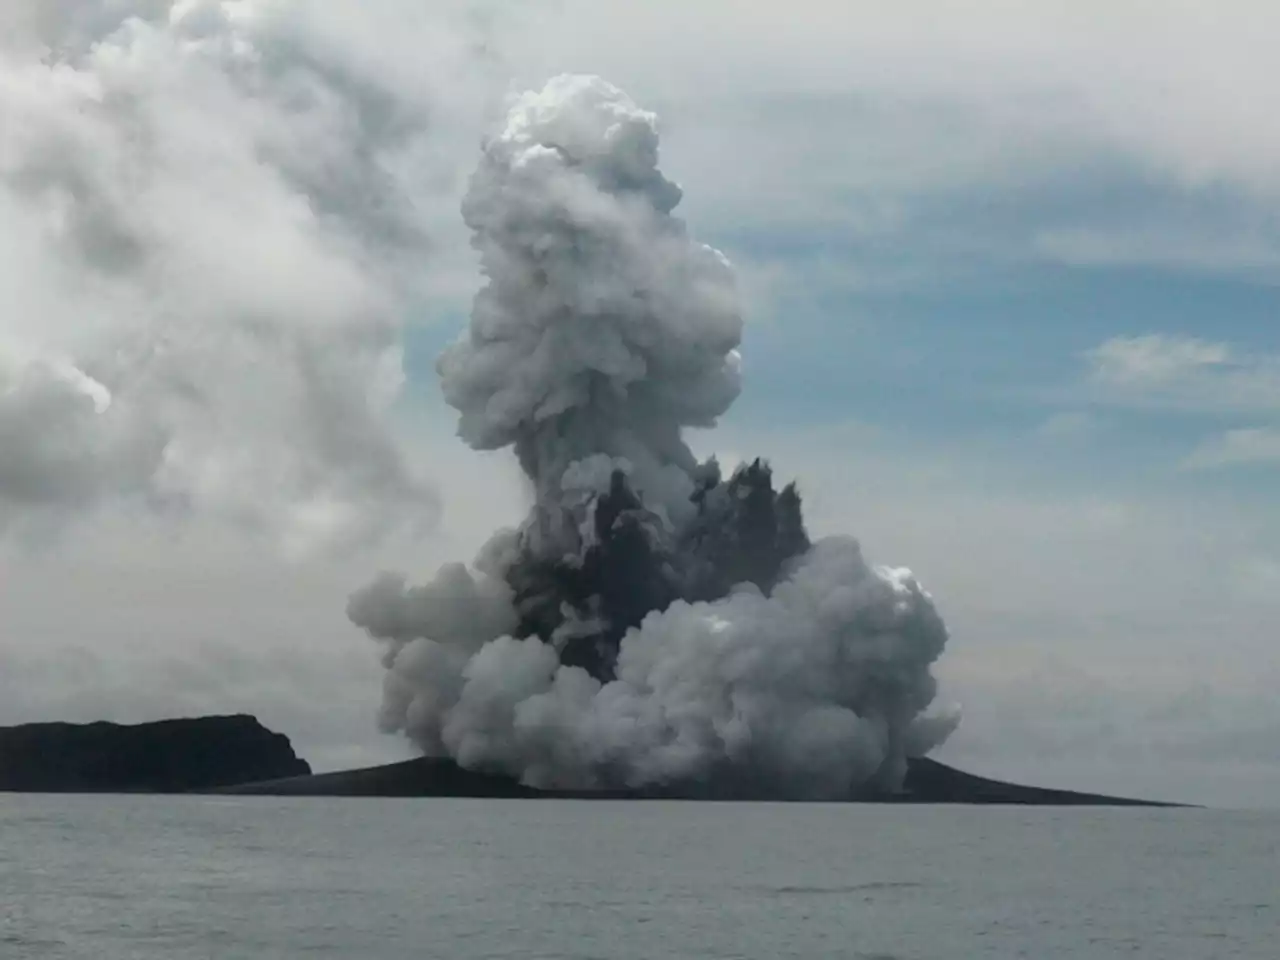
(652, 620)
(168, 878)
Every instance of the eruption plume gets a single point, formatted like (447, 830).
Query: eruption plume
(651, 622)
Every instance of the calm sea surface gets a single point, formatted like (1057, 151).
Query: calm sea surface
(175, 878)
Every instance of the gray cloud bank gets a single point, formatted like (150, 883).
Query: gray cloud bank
(211, 215)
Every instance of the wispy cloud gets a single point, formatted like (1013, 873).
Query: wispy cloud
(1238, 447)
(1155, 359)
(1184, 373)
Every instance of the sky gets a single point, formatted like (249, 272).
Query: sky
(1009, 271)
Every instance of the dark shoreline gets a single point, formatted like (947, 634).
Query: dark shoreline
(236, 755)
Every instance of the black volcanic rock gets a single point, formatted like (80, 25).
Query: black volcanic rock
(171, 756)
(927, 781)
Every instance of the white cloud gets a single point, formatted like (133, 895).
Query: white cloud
(1191, 376)
(1177, 372)
(1155, 359)
(1245, 445)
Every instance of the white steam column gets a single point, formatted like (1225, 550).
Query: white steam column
(603, 330)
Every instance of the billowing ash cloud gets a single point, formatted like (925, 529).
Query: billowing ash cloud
(205, 212)
(651, 622)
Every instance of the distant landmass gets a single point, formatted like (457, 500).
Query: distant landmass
(238, 755)
(170, 756)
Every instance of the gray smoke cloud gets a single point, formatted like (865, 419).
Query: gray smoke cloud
(650, 622)
(207, 211)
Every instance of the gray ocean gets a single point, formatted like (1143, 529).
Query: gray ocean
(111, 878)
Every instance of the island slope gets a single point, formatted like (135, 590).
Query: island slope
(927, 781)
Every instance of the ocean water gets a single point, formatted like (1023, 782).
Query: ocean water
(111, 878)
